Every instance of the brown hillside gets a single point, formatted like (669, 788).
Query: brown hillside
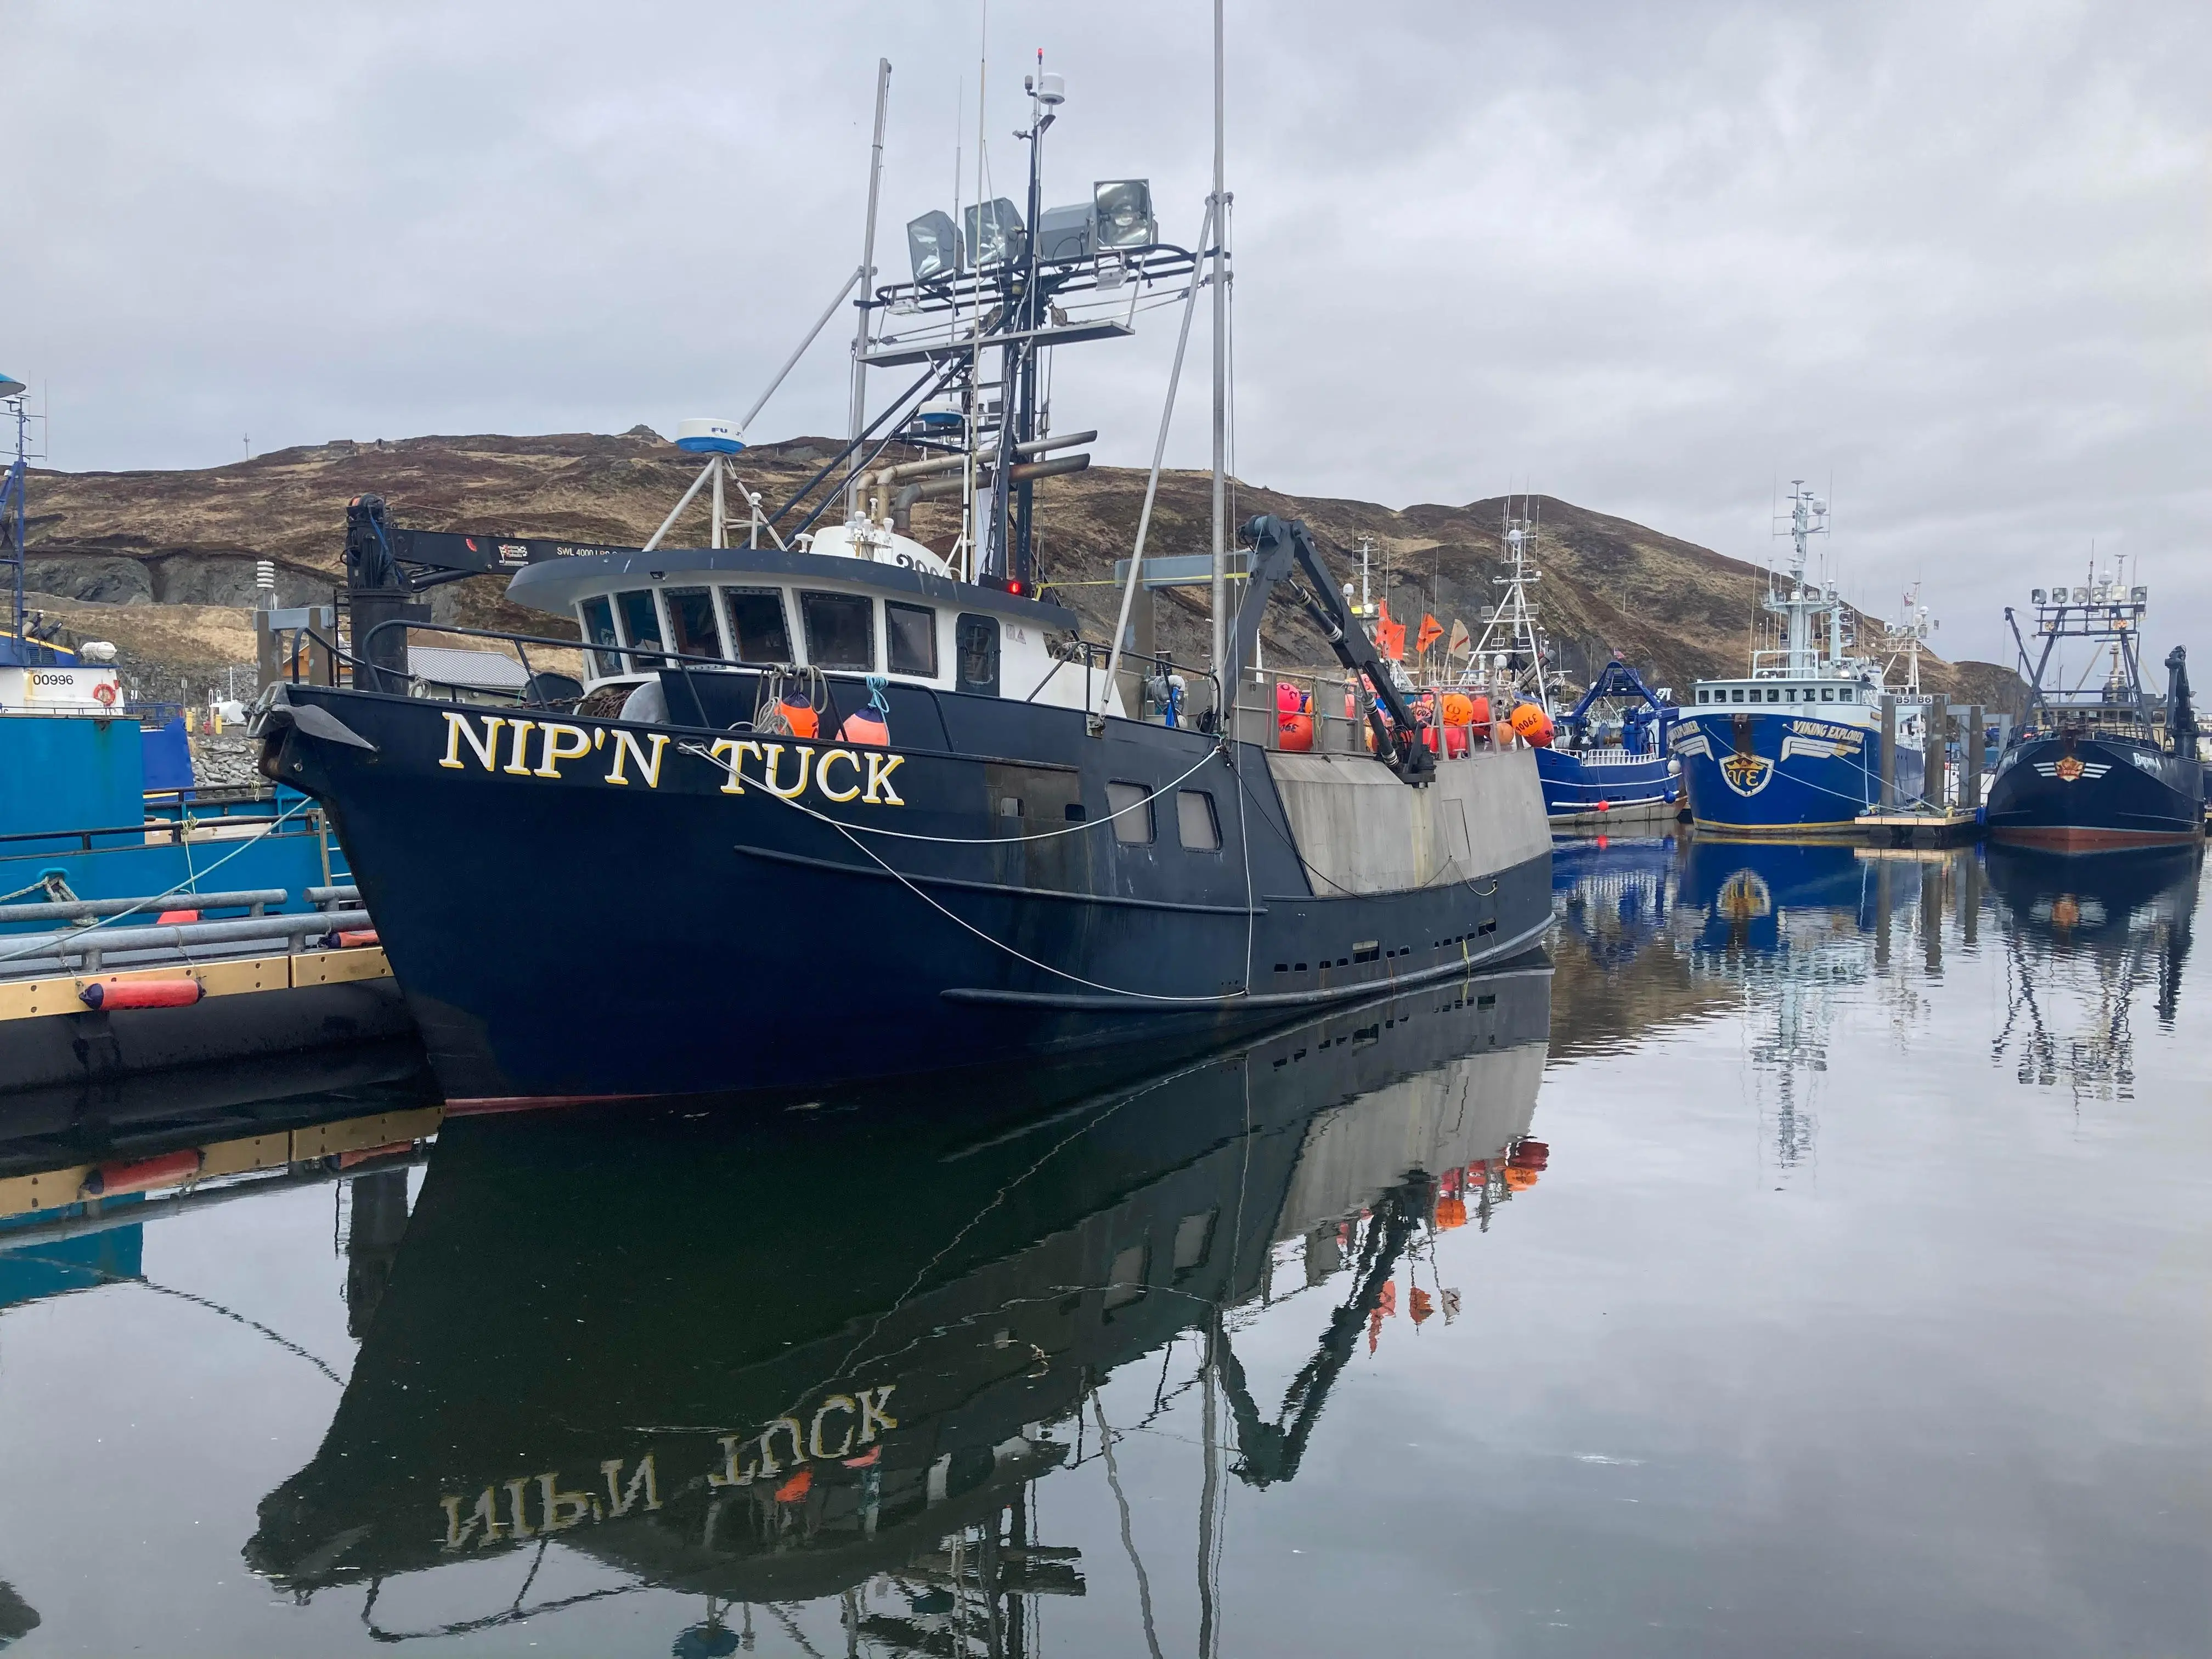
(1674, 610)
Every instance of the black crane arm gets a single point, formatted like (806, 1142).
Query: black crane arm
(1276, 546)
(381, 556)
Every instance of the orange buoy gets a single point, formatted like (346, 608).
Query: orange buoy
(1456, 742)
(351, 939)
(1519, 1180)
(1459, 709)
(872, 725)
(866, 725)
(1288, 698)
(1532, 725)
(802, 717)
(142, 993)
(165, 1170)
(1294, 733)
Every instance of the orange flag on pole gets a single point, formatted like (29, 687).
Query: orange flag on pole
(1389, 636)
(1431, 631)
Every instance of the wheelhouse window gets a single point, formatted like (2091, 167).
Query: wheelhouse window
(1847, 693)
(640, 622)
(841, 629)
(692, 628)
(756, 625)
(1132, 806)
(1774, 694)
(976, 641)
(1704, 696)
(1735, 694)
(597, 617)
(1194, 821)
(1827, 694)
(910, 634)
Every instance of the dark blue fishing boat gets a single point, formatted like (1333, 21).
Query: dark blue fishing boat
(838, 805)
(2099, 767)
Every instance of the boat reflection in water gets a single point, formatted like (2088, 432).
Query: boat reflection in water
(2095, 933)
(828, 1357)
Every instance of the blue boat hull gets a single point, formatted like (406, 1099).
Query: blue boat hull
(1573, 785)
(2083, 794)
(1783, 774)
(560, 938)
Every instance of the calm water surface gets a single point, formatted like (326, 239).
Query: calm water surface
(1811, 1259)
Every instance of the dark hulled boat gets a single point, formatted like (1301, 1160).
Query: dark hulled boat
(853, 807)
(2097, 768)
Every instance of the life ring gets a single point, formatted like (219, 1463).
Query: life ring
(104, 693)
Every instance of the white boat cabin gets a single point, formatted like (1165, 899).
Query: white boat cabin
(1786, 692)
(855, 604)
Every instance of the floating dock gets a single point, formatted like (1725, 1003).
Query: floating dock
(97, 1001)
(1940, 826)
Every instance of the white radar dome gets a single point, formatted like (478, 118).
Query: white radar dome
(709, 437)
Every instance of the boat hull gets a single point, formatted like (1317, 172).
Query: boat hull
(2091, 795)
(571, 937)
(1582, 789)
(1782, 773)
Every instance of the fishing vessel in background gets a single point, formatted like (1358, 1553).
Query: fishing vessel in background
(2098, 764)
(1795, 747)
(1602, 761)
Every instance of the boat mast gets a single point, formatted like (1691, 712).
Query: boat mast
(859, 419)
(1219, 203)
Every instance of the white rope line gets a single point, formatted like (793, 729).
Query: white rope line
(1000, 944)
(731, 769)
(187, 886)
(1920, 799)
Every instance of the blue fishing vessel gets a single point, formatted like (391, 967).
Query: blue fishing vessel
(1795, 747)
(2098, 765)
(857, 806)
(97, 799)
(1604, 761)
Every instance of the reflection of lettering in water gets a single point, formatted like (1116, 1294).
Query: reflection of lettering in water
(502, 1513)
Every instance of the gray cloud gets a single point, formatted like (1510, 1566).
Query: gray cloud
(1652, 260)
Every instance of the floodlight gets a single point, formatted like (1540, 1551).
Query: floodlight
(1123, 208)
(994, 233)
(933, 242)
(1063, 233)
(2138, 595)
(2081, 596)
(2039, 596)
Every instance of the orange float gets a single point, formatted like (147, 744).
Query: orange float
(1532, 725)
(1294, 733)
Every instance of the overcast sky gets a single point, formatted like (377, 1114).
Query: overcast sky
(1656, 261)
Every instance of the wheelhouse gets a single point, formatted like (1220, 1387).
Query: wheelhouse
(1785, 693)
(908, 619)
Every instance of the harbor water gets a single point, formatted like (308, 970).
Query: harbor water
(1807, 1255)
